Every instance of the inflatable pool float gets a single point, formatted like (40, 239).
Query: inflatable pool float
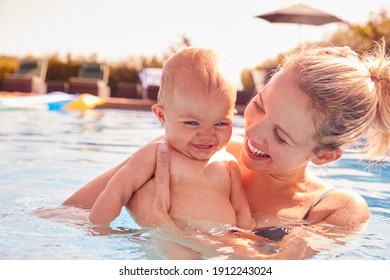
(51, 101)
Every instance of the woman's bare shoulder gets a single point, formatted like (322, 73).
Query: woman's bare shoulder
(349, 209)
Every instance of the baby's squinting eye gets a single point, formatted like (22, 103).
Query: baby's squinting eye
(192, 123)
(221, 124)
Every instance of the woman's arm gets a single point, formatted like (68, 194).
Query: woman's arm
(87, 195)
(138, 170)
(151, 203)
(239, 200)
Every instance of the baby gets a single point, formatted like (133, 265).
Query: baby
(196, 108)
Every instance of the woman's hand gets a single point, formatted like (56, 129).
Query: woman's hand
(150, 204)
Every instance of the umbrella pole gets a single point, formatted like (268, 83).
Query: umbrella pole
(299, 35)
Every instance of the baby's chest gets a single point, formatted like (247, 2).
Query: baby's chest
(211, 177)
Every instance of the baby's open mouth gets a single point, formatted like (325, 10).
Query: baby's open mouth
(203, 146)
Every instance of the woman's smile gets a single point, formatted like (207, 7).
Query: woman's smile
(254, 152)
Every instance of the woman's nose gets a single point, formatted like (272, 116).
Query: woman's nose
(256, 130)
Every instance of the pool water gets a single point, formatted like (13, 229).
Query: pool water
(46, 156)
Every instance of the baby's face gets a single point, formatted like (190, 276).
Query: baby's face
(198, 124)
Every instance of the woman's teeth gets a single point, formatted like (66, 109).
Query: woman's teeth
(256, 151)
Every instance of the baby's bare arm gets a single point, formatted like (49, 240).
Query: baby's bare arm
(154, 195)
(128, 179)
(239, 200)
(87, 195)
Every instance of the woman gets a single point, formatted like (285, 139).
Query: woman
(321, 101)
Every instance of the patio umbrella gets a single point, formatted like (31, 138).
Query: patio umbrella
(300, 14)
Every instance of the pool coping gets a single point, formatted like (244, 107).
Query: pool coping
(119, 103)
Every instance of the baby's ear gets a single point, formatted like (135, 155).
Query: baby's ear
(327, 156)
(158, 110)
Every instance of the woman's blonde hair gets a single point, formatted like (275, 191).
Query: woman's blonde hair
(350, 93)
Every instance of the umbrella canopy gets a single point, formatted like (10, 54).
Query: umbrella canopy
(300, 14)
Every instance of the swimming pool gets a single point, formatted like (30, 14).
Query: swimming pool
(45, 156)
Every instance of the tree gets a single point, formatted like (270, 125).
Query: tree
(59, 70)
(8, 65)
(176, 47)
(363, 37)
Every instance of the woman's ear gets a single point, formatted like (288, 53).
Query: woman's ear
(327, 156)
(158, 110)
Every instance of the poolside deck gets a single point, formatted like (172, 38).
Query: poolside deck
(141, 104)
(118, 103)
(127, 103)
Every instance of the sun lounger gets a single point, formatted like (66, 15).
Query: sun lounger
(127, 90)
(93, 79)
(29, 77)
(150, 82)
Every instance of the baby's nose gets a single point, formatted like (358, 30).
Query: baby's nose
(206, 133)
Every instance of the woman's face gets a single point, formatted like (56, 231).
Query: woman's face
(279, 128)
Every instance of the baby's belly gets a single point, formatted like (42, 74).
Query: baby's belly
(206, 226)
(202, 216)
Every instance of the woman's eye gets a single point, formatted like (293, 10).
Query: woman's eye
(258, 107)
(278, 139)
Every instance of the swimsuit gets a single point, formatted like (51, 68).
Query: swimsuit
(277, 233)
